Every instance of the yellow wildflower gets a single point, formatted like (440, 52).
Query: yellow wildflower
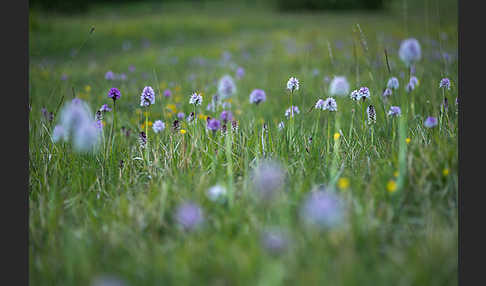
(407, 140)
(183, 131)
(445, 172)
(391, 187)
(343, 183)
(395, 174)
(87, 88)
(336, 136)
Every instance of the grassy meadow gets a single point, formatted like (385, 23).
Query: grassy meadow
(113, 212)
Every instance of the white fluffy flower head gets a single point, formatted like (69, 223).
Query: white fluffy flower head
(410, 51)
(339, 86)
(293, 84)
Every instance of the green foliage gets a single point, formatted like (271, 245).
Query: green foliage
(88, 215)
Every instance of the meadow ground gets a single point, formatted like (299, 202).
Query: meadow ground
(395, 181)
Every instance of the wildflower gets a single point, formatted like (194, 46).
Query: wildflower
(158, 126)
(293, 84)
(337, 135)
(213, 124)
(355, 95)
(196, 99)
(343, 183)
(78, 124)
(445, 83)
(393, 83)
(363, 93)
(410, 51)
(430, 122)
(234, 125)
(64, 77)
(371, 114)
(181, 115)
(414, 81)
(281, 126)
(49, 116)
(114, 93)
(167, 93)
(394, 111)
(99, 124)
(387, 92)
(131, 68)
(226, 116)
(109, 75)
(330, 104)
(315, 72)
(99, 115)
(322, 209)
(147, 97)
(183, 131)
(142, 139)
(407, 140)
(216, 193)
(291, 110)
(457, 100)
(267, 177)
(59, 133)
(105, 108)
(445, 172)
(189, 216)
(391, 186)
(240, 72)
(339, 86)
(275, 241)
(410, 86)
(319, 104)
(226, 87)
(257, 96)
(190, 117)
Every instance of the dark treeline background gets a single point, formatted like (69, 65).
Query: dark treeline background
(79, 6)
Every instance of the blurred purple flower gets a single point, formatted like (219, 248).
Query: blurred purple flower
(322, 209)
(226, 115)
(109, 75)
(257, 96)
(410, 51)
(394, 111)
(167, 93)
(158, 126)
(189, 215)
(275, 241)
(430, 122)
(213, 124)
(240, 72)
(181, 115)
(268, 177)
